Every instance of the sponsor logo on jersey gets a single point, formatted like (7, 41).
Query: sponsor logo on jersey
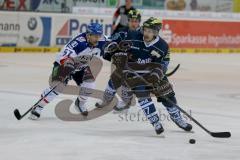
(143, 61)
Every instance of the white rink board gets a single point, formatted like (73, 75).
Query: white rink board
(208, 85)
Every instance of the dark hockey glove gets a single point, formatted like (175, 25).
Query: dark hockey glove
(154, 76)
(163, 88)
(109, 49)
(120, 60)
(125, 45)
(64, 70)
(112, 48)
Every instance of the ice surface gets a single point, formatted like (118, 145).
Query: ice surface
(207, 85)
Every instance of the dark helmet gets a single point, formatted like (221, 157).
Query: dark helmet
(95, 28)
(153, 23)
(134, 14)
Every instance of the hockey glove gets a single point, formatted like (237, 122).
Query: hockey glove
(64, 70)
(120, 60)
(163, 88)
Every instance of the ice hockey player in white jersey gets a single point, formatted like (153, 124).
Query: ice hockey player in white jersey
(89, 44)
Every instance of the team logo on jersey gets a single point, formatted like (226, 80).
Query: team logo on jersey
(155, 53)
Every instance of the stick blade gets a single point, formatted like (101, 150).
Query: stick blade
(173, 71)
(221, 134)
(17, 114)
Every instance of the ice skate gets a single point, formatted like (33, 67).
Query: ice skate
(36, 113)
(81, 107)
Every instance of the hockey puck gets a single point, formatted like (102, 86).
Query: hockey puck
(192, 141)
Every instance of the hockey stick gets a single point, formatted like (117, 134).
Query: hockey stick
(213, 134)
(173, 71)
(16, 111)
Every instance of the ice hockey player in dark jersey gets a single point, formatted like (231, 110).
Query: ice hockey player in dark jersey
(148, 58)
(134, 19)
(84, 45)
(122, 12)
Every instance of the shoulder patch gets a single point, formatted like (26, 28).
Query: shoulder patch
(81, 39)
(155, 53)
(74, 44)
